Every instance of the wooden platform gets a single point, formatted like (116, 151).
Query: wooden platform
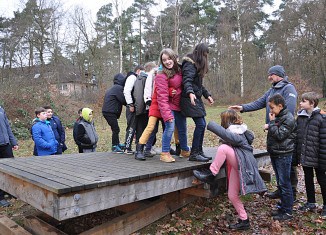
(72, 185)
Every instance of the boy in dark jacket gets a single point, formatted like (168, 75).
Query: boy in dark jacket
(310, 146)
(58, 129)
(112, 107)
(280, 145)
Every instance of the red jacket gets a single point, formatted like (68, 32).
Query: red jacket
(166, 102)
(153, 109)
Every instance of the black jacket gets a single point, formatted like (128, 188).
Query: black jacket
(281, 134)
(309, 138)
(114, 97)
(192, 83)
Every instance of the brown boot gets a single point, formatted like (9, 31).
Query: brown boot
(166, 157)
(184, 153)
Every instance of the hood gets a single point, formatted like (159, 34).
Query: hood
(86, 116)
(238, 129)
(119, 79)
(303, 112)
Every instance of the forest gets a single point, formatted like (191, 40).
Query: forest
(244, 39)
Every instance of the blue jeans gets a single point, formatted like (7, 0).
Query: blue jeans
(198, 137)
(180, 121)
(181, 124)
(282, 169)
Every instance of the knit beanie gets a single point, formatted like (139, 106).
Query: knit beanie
(277, 70)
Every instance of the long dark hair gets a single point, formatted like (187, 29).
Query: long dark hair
(199, 55)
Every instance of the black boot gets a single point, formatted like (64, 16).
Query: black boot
(201, 152)
(139, 152)
(195, 156)
(204, 175)
(177, 149)
(274, 195)
(241, 225)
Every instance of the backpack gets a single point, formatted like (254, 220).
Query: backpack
(138, 93)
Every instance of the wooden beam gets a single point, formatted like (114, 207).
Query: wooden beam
(198, 192)
(266, 175)
(131, 222)
(9, 227)
(39, 227)
(116, 195)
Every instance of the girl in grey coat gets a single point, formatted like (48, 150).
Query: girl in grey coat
(242, 168)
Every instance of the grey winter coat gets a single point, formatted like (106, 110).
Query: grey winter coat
(241, 139)
(6, 135)
(284, 88)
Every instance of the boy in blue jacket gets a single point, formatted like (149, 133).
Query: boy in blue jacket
(43, 136)
(58, 129)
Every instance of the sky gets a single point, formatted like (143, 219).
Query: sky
(7, 7)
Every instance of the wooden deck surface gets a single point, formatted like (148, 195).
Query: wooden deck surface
(70, 185)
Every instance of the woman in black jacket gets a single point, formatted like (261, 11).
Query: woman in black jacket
(194, 68)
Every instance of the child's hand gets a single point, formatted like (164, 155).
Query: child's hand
(210, 100)
(271, 116)
(266, 127)
(192, 99)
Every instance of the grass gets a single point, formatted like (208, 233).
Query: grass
(254, 121)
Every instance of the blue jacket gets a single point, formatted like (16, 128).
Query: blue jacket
(44, 138)
(6, 135)
(284, 88)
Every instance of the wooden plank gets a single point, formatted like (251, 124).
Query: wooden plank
(38, 227)
(108, 197)
(51, 175)
(131, 222)
(33, 179)
(34, 195)
(266, 175)
(198, 192)
(9, 227)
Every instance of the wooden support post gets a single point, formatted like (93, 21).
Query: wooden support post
(133, 221)
(266, 175)
(9, 227)
(39, 227)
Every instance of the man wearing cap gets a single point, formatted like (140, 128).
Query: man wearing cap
(280, 85)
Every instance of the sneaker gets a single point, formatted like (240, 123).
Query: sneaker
(283, 216)
(4, 203)
(184, 153)
(148, 154)
(323, 212)
(172, 152)
(122, 146)
(116, 149)
(166, 157)
(201, 152)
(129, 151)
(240, 225)
(274, 195)
(308, 206)
(276, 212)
